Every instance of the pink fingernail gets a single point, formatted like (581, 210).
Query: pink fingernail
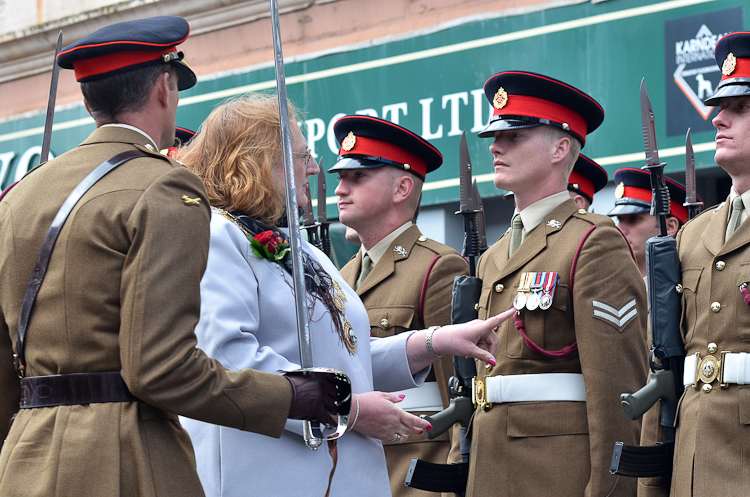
(421, 432)
(401, 396)
(429, 427)
(492, 361)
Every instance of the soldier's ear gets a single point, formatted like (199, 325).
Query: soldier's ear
(673, 226)
(403, 187)
(560, 150)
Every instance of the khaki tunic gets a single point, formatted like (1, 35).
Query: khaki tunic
(121, 294)
(712, 451)
(562, 448)
(391, 293)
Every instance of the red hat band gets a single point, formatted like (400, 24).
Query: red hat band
(378, 148)
(584, 184)
(112, 62)
(677, 210)
(522, 105)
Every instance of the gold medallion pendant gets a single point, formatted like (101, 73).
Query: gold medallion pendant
(349, 338)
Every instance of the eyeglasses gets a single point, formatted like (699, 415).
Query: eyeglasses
(305, 158)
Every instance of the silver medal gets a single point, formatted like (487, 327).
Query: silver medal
(533, 301)
(545, 302)
(519, 301)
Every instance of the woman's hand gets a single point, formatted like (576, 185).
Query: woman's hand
(475, 339)
(380, 417)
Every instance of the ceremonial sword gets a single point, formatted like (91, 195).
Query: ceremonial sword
(310, 430)
(47, 137)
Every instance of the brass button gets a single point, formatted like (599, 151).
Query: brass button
(707, 388)
(715, 306)
(407, 166)
(582, 211)
(712, 348)
(476, 306)
(422, 238)
(720, 265)
(487, 366)
(499, 287)
(384, 323)
(678, 288)
(149, 147)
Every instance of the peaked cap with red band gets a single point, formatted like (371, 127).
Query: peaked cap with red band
(732, 54)
(129, 45)
(633, 194)
(181, 138)
(522, 99)
(587, 177)
(368, 142)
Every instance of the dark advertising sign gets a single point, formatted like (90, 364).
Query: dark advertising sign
(690, 68)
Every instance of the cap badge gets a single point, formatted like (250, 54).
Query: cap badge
(400, 250)
(501, 99)
(349, 141)
(729, 64)
(620, 190)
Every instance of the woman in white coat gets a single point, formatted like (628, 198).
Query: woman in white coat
(248, 321)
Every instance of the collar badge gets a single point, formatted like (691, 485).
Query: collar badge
(400, 250)
(349, 141)
(554, 223)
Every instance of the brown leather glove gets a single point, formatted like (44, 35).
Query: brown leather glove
(314, 396)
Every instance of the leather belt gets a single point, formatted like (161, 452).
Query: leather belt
(72, 389)
(728, 368)
(545, 387)
(424, 398)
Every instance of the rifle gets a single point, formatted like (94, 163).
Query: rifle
(466, 292)
(325, 236)
(664, 278)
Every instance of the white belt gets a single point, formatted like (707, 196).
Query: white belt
(727, 368)
(561, 387)
(424, 398)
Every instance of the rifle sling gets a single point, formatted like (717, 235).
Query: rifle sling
(42, 261)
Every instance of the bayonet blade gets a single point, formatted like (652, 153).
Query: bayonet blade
(308, 218)
(468, 203)
(649, 127)
(47, 137)
(689, 169)
(480, 218)
(322, 215)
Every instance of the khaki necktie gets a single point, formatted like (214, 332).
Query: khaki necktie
(516, 233)
(366, 267)
(735, 218)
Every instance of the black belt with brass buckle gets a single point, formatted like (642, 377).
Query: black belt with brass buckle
(74, 388)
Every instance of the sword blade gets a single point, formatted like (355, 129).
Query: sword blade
(311, 431)
(689, 169)
(49, 119)
(649, 127)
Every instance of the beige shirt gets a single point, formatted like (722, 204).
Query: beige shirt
(745, 200)
(534, 214)
(378, 250)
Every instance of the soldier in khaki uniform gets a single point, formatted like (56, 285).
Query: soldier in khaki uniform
(549, 413)
(712, 447)
(633, 210)
(409, 278)
(110, 356)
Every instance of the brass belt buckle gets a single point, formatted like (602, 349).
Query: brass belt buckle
(480, 390)
(709, 369)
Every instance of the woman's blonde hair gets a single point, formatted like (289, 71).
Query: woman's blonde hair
(235, 153)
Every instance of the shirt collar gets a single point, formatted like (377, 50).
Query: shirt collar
(127, 126)
(534, 214)
(377, 251)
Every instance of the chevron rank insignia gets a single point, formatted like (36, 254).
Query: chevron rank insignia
(619, 318)
(191, 201)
